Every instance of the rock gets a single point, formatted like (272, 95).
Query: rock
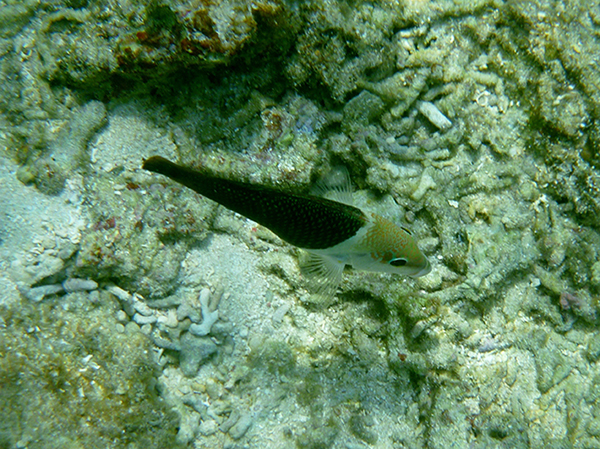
(36, 294)
(188, 428)
(194, 352)
(278, 315)
(45, 267)
(241, 426)
(434, 115)
(593, 348)
(361, 110)
(142, 319)
(75, 285)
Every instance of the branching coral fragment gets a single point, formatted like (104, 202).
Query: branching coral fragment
(210, 314)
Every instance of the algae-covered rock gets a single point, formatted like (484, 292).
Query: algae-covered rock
(206, 36)
(359, 111)
(137, 241)
(560, 106)
(194, 352)
(64, 363)
(361, 427)
(318, 434)
(275, 357)
(45, 174)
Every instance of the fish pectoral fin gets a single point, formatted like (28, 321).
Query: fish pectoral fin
(335, 185)
(324, 272)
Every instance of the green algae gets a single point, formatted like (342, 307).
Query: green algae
(68, 378)
(274, 356)
(160, 17)
(318, 434)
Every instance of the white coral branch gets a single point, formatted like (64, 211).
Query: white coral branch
(210, 314)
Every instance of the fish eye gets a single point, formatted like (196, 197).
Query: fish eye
(398, 262)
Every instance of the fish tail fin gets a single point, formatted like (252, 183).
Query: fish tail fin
(159, 164)
(324, 273)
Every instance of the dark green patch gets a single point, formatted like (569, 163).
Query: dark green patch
(160, 17)
(319, 434)
(361, 427)
(309, 390)
(275, 356)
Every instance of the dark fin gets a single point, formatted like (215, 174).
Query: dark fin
(323, 272)
(304, 221)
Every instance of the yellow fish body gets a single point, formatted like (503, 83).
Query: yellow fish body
(334, 234)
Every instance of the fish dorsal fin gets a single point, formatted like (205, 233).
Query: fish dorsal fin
(335, 185)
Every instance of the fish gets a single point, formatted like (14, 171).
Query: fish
(332, 233)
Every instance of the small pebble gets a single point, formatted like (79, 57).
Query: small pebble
(36, 294)
(78, 285)
(67, 251)
(95, 297)
(277, 317)
(433, 114)
(143, 320)
(184, 389)
(230, 421)
(426, 182)
(241, 427)
(214, 390)
(208, 427)
(119, 292)
(132, 327)
(142, 308)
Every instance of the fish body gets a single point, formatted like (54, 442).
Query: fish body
(334, 234)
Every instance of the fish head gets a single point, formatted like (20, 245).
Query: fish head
(390, 248)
